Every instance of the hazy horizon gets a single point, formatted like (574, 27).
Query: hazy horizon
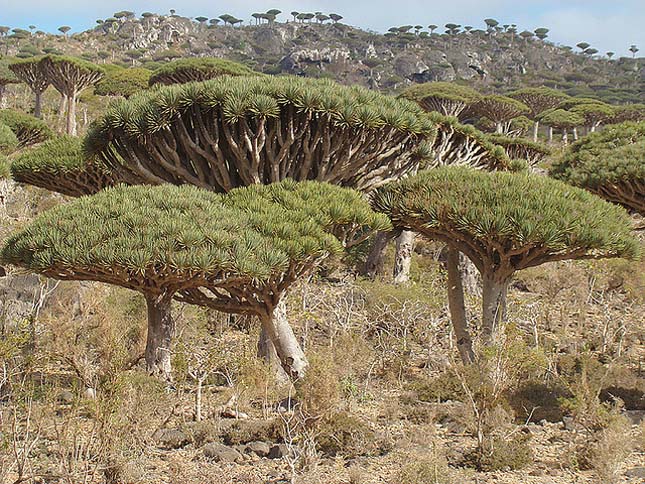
(606, 26)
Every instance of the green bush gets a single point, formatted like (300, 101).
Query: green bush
(503, 453)
(343, 434)
(8, 140)
(28, 129)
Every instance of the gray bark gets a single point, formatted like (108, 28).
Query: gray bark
(161, 329)
(536, 131)
(493, 306)
(38, 107)
(286, 346)
(457, 307)
(374, 265)
(71, 116)
(403, 257)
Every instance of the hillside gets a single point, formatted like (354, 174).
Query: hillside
(492, 61)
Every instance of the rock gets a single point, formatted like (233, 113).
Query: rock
(637, 472)
(90, 393)
(232, 413)
(221, 453)
(286, 405)
(278, 451)
(65, 397)
(635, 416)
(261, 449)
(570, 424)
(171, 438)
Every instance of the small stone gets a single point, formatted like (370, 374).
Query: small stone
(171, 438)
(65, 397)
(260, 449)
(570, 424)
(90, 393)
(635, 416)
(278, 451)
(637, 472)
(221, 453)
(286, 405)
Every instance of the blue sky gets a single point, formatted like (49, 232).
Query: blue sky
(606, 25)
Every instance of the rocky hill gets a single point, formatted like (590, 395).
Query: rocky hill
(494, 60)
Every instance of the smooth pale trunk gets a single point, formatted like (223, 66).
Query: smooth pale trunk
(38, 107)
(161, 329)
(403, 257)
(536, 131)
(499, 128)
(565, 137)
(550, 134)
(267, 351)
(493, 306)
(2, 91)
(457, 307)
(71, 116)
(276, 330)
(375, 263)
(575, 134)
(62, 109)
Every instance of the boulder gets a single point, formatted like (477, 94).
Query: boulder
(221, 453)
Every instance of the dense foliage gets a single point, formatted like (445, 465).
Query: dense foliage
(8, 140)
(28, 129)
(506, 222)
(123, 82)
(197, 69)
(446, 98)
(236, 131)
(610, 163)
(60, 165)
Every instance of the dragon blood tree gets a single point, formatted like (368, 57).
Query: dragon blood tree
(563, 120)
(504, 223)
(197, 69)
(236, 253)
(70, 76)
(6, 77)
(538, 100)
(610, 163)
(521, 148)
(500, 110)
(232, 132)
(28, 129)
(461, 144)
(446, 98)
(237, 131)
(60, 165)
(455, 144)
(30, 72)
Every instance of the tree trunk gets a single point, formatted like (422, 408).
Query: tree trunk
(198, 399)
(62, 108)
(575, 134)
(565, 137)
(536, 131)
(375, 260)
(550, 134)
(71, 116)
(38, 106)
(403, 258)
(458, 307)
(493, 306)
(286, 346)
(2, 91)
(267, 351)
(161, 329)
(499, 128)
